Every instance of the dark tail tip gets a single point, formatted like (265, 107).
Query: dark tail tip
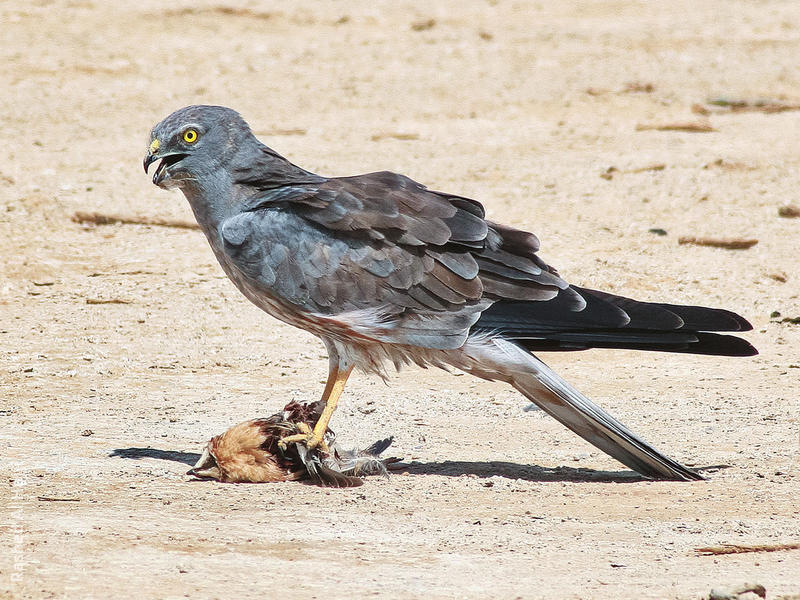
(722, 345)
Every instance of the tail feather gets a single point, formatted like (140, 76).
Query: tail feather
(688, 343)
(610, 321)
(689, 317)
(544, 387)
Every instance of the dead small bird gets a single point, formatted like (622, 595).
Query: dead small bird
(252, 452)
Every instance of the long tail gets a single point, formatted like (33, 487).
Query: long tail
(500, 359)
(610, 321)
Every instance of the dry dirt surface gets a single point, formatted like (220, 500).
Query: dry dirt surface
(123, 348)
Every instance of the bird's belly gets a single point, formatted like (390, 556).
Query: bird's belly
(277, 307)
(367, 354)
(354, 335)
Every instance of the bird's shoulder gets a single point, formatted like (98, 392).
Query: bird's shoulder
(381, 206)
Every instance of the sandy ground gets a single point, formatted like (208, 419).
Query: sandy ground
(123, 348)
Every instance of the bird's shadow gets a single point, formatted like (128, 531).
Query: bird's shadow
(526, 472)
(509, 470)
(187, 458)
(448, 468)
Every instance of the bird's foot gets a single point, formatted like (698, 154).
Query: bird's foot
(306, 437)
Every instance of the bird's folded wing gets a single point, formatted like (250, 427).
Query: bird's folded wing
(383, 243)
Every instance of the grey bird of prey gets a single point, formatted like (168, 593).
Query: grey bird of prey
(386, 271)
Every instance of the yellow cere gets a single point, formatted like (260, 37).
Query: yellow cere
(154, 146)
(190, 136)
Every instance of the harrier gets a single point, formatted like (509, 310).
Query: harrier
(386, 271)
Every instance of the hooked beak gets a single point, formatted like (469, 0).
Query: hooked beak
(206, 467)
(161, 177)
(152, 154)
(149, 160)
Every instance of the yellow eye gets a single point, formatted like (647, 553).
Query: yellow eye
(190, 136)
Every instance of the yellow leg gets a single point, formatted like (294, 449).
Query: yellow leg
(333, 389)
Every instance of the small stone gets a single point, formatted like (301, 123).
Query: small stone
(789, 211)
(423, 25)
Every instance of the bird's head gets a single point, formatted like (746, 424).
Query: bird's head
(207, 467)
(195, 142)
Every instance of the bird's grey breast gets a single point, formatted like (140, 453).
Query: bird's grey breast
(280, 262)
